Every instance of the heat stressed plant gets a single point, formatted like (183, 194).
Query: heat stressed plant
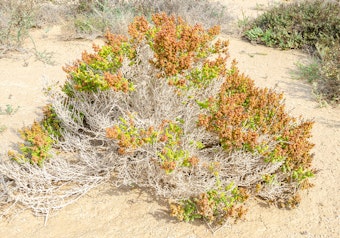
(51, 123)
(36, 147)
(161, 109)
(214, 206)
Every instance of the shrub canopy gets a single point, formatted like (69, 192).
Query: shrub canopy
(162, 110)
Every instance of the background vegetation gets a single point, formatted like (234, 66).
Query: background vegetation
(92, 18)
(95, 17)
(309, 25)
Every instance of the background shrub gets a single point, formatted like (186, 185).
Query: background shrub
(312, 25)
(297, 25)
(92, 18)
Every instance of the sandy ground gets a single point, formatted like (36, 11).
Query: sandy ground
(110, 212)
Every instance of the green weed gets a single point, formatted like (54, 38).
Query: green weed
(3, 128)
(310, 71)
(9, 110)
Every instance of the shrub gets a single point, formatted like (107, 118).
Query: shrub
(296, 25)
(308, 25)
(162, 110)
(174, 98)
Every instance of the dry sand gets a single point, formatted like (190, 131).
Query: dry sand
(111, 212)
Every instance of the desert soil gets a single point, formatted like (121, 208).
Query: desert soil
(110, 212)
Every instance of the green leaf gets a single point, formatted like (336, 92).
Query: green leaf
(203, 104)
